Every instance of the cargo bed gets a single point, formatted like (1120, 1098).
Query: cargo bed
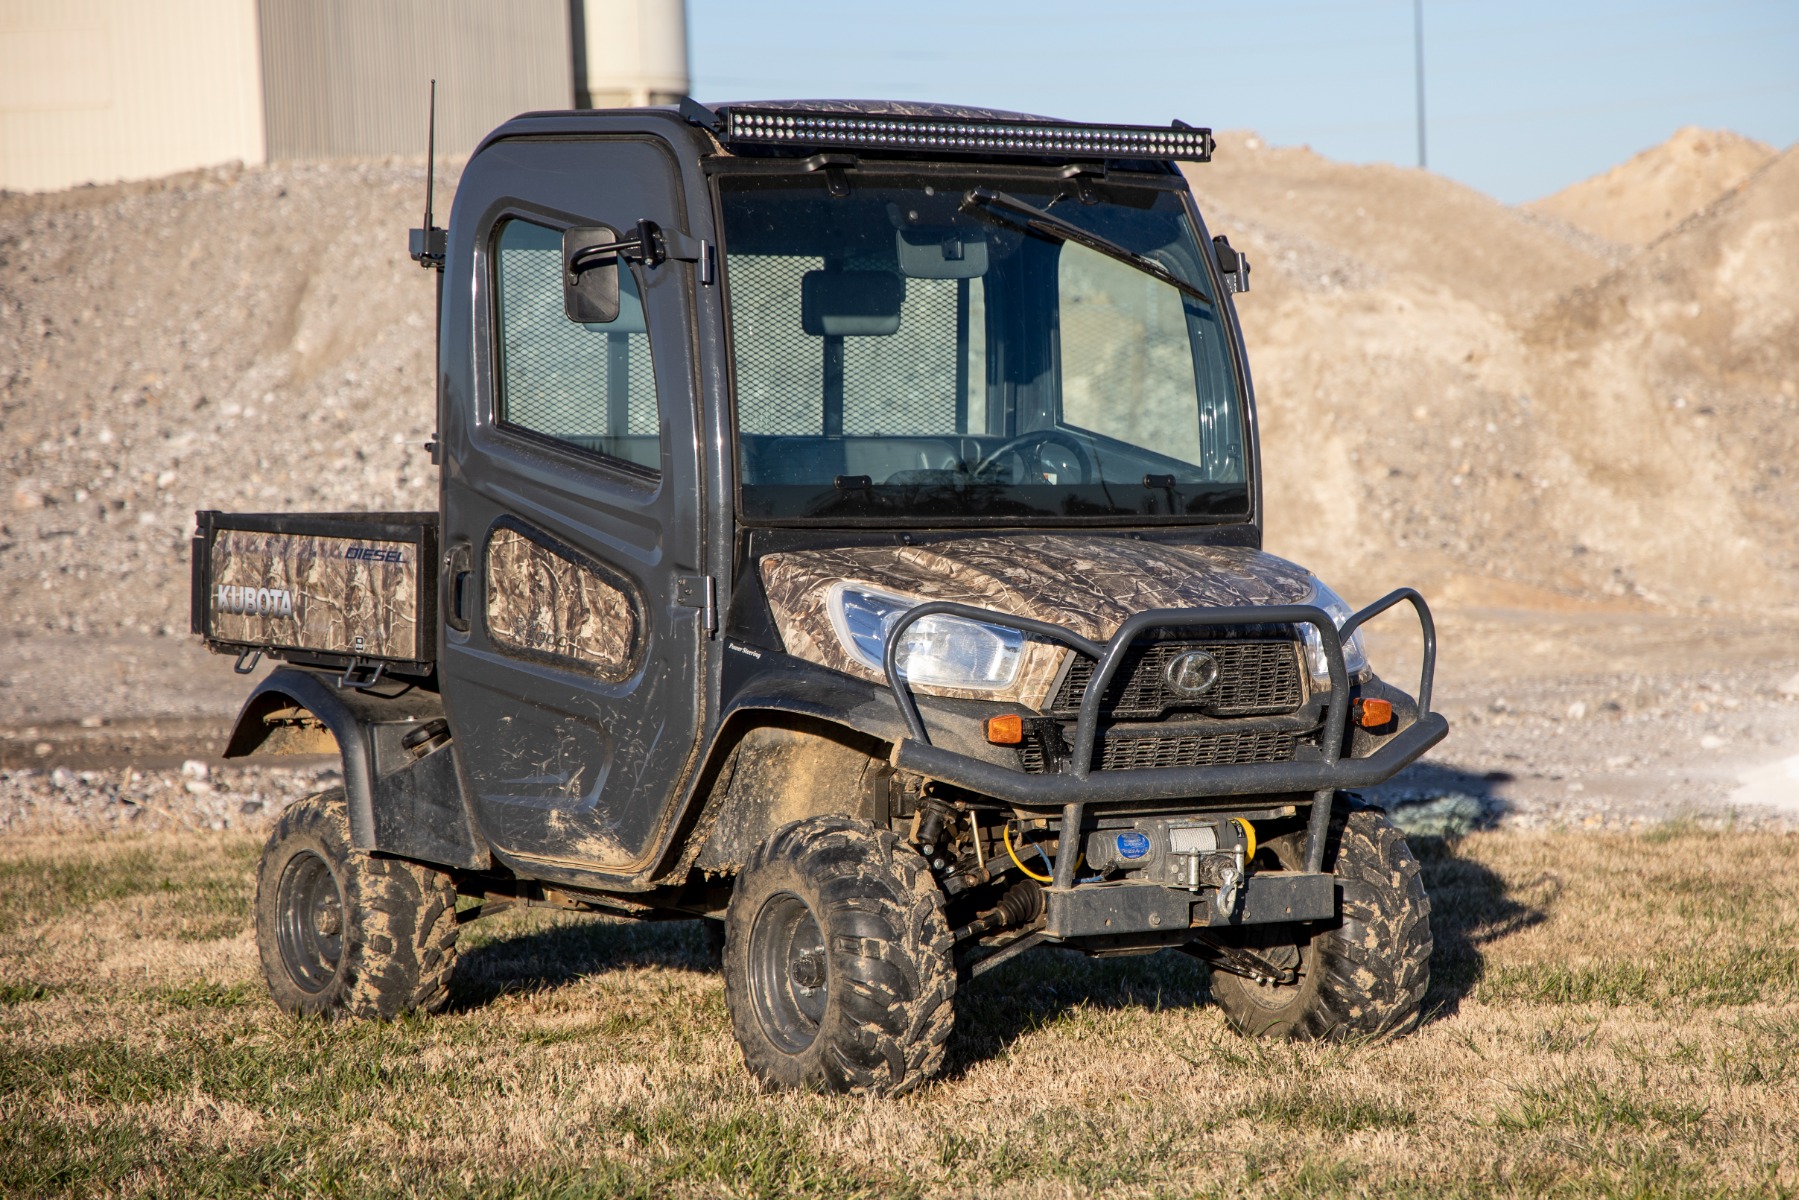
(355, 592)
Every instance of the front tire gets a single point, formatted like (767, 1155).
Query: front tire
(1363, 975)
(343, 933)
(838, 961)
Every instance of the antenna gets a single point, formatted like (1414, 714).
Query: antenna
(430, 152)
(427, 245)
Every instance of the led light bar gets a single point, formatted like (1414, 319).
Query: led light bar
(804, 128)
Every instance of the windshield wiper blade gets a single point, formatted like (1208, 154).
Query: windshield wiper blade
(980, 202)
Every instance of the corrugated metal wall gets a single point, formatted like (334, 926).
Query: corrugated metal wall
(93, 91)
(351, 77)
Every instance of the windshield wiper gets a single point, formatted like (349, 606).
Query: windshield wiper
(980, 202)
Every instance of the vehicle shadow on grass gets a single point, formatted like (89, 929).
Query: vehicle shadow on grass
(536, 960)
(1042, 986)
(1472, 906)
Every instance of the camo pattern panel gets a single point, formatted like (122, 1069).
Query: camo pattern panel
(1087, 584)
(547, 604)
(305, 592)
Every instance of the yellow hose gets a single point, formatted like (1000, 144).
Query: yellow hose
(1006, 833)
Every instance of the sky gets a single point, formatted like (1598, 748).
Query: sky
(1522, 97)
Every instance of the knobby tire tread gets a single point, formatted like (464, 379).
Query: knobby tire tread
(893, 979)
(1367, 974)
(400, 943)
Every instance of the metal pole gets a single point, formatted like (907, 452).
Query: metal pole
(1418, 58)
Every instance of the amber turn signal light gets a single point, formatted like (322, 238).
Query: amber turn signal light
(1375, 713)
(1006, 729)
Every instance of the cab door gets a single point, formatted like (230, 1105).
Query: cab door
(573, 598)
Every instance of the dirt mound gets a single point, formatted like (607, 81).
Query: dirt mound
(1680, 390)
(1639, 200)
(1429, 412)
(1334, 226)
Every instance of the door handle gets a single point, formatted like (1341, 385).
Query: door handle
(457, 577)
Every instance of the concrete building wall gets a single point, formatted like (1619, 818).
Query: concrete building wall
(93, 91)
(102, 90)
(351, 77)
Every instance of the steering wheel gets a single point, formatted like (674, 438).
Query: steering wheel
(1027, 445)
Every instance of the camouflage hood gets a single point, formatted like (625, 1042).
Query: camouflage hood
(1089, 584)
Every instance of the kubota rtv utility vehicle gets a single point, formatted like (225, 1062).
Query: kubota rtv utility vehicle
(849, 531)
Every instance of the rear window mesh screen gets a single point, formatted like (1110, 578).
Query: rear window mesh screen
(900, 383)
(584, 384)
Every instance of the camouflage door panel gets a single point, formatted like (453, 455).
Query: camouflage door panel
(306, 592)
(545, 603)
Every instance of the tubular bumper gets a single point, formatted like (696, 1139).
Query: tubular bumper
(1082, 785)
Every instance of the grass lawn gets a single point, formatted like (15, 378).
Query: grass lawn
(1610, 1015)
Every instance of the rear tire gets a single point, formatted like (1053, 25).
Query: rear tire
(838, 961)
(1363, 975)
(343, 933)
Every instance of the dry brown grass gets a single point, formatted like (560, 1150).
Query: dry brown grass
(1613, 1015)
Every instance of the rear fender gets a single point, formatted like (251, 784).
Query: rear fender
(400, 803)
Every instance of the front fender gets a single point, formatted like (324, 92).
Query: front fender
(785, 684)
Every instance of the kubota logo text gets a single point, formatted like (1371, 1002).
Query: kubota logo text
(260, 602)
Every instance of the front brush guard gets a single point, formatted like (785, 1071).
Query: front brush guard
(1081, 785)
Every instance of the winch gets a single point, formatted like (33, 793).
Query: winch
(1179, 852)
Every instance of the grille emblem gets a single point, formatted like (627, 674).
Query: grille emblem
(1191, 675)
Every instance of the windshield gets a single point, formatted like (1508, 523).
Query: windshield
(908, 349)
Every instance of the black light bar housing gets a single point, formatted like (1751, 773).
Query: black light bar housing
(743, 127)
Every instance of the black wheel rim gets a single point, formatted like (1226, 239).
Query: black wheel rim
(790, 980)
(309, 921)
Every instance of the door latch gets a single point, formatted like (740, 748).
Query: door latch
(699, 591)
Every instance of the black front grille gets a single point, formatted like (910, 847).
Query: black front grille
(1186, 750)
(1257, 677)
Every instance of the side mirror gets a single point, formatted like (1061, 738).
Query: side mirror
(590, 260)
(590, 268)
(1233, 266)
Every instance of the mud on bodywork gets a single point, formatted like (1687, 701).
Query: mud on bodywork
(1088, 584)
(342, 595)
(545, 603)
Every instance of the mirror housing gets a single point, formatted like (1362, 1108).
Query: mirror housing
(590, 259)
(590, 275)
(1232, 265)
(941, 252)
(851, 303)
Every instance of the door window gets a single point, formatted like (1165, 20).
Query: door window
(589, 386)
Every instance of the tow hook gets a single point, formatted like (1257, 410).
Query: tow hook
(1230, 883)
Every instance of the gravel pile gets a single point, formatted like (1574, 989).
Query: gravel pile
(236, 339)
(194, 796)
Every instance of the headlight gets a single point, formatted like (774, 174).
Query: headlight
(1355, 656)
(937, 651)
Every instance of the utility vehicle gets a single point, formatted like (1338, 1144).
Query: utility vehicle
(849, 533)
